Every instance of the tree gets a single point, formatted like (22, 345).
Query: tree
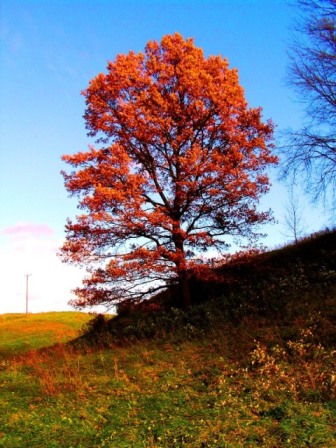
(294, 216)
(181, 166)
(311, 151)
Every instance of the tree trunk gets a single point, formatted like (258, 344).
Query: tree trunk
(181, 265)
(184, 289)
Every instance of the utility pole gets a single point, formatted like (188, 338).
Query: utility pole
(27, 275)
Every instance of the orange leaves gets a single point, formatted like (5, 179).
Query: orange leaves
(182, 167)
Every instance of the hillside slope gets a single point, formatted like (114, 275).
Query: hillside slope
(20, 333)
(296, 283)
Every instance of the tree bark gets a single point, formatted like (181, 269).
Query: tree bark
(181, 267)
(184, 289)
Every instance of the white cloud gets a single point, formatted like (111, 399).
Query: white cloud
(29, 248)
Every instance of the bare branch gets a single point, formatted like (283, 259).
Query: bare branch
(311, 151)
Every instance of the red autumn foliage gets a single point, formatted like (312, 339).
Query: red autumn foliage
(181, 165)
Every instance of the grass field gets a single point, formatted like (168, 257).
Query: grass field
(212, 376)
(19, 333)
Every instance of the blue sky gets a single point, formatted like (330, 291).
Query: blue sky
(50, 49)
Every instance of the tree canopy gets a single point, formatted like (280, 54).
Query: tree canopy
(180, 167)
(311, 150)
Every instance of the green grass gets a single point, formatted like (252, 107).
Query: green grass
(165, 394)
(250, 367)
(19, 333)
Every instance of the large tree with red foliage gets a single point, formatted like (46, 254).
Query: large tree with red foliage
(180, 166)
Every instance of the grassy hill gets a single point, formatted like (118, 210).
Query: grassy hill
(289, 288)
(251, 364)
(20, 333)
